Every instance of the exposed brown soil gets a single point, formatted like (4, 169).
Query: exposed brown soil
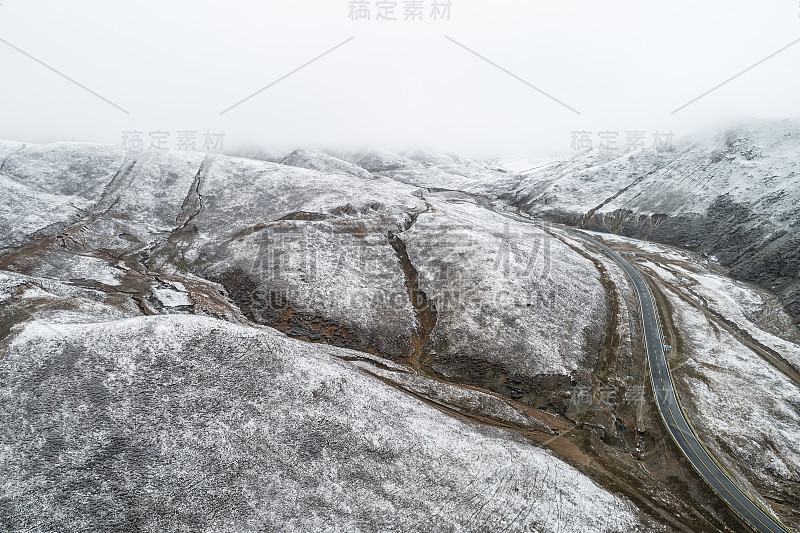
(600, 444)
(271, 307)
(424, 309)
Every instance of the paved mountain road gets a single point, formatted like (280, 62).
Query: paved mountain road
(673, 415)
(668, 404)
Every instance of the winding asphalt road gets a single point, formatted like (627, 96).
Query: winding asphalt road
(668, 404)
(673, 415)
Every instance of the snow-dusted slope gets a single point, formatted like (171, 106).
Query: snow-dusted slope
(36, 196)
(447, 305)
(734, 197)
(514, 304)
(307, 251)
(178, 423)
(324, 163)
(432, 170)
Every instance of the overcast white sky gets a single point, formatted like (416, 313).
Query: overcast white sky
(176, 65)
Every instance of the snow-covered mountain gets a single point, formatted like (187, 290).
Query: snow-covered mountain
(362, 341)
(734, 197)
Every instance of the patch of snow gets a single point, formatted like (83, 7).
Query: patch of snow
(171, 298)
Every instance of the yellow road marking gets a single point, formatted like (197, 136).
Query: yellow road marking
(641, 287)
(712, 473)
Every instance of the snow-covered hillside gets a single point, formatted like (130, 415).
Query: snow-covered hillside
(173, 423)
(733, 197)
(113, 419)
(363, 341)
